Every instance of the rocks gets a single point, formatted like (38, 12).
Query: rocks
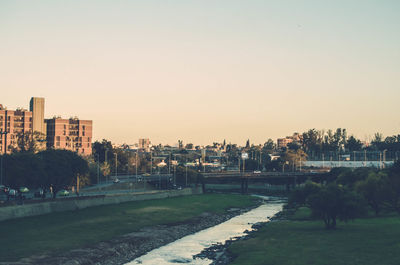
(219, 253)
(130, 246)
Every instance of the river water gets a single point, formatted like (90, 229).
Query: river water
(182, 250)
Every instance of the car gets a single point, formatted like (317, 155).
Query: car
(23, 189)
(63, 193)
(257, 172)
(146, 174)
(116, 180)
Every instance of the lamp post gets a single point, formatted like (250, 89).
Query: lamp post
(116, 165)
(136, 163)
(98, 169)
(105, 159)
(4, 151)
(186, 171)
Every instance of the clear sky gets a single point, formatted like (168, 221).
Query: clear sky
(204, 71)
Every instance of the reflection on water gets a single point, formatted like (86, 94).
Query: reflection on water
(182, 250)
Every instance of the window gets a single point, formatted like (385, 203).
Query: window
(88, 145)
(58, 144)
(58, 138)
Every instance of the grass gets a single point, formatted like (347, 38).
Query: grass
(300, 241)
(68, 230)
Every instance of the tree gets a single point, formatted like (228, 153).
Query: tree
(299, 196)
(374, 190)
(294, 158)
(269, 147)
(312, 141)
(23, 169)
(334, 202)
(100, 148)
(393, 183)
(29, 142)
(247, 144)
(353, 144)
(63, 168)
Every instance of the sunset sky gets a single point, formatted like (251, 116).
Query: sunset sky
(205, 71)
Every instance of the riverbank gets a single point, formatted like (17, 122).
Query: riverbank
(114, 234)
(297, 239)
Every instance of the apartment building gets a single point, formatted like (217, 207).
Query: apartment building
(12, 124)
(295, 138)
(71, 134)
(144, 144)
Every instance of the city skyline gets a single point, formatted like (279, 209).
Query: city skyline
(205, 72)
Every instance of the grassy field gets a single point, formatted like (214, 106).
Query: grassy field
(67, 230)
(301, 241)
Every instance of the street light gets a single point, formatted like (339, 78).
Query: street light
(98, 169)
(116, 165)
(1, 169)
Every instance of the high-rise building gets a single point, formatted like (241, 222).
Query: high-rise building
(36, 106)
(13, 123)
(71, 134)
(144, 144)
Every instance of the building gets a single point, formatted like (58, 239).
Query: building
(144, 144)
(13, 123)
(36, 106)
(71, 134)
(295, 138)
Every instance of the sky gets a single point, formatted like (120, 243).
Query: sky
(205, 71)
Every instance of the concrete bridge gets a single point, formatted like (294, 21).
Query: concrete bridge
(289, 179)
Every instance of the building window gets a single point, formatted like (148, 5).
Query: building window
(83, 133)
(88, 145)
(58, 144)
(58, 138)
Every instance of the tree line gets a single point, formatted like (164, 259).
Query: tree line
(350, 193)
(56, 168)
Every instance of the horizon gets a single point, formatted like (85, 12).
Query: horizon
(205, 72)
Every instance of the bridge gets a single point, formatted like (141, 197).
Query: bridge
(289, 179)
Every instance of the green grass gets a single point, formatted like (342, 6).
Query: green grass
(67, 230)
(364, 241)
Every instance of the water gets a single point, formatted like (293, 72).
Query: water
(182, 250)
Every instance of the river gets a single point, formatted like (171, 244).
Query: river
(182, 251)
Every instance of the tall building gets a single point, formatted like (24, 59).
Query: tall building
(12, 124)
(144, 144)
(36, 106)
(71, 134)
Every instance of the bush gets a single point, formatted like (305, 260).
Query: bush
(334, 202)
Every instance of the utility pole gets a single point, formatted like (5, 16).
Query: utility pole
(169, 164)
(151, 163)
(136, 163)
(98, 169)
(186, 171)
(116, 165)
(4, 152)
(105, 159)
